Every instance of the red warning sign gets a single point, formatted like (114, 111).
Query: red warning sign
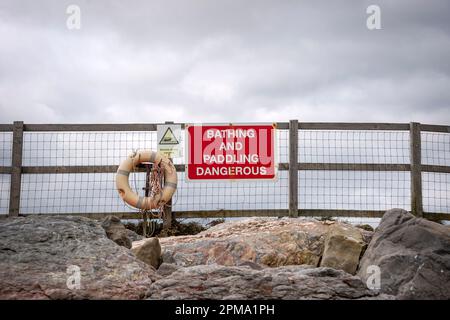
(230, 151)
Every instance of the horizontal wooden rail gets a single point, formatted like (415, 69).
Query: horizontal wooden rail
(252, 213)
(70, 169)
(281, 166)
(179, 214)
(280, 125)
(352, 126)
(283, 125)
(71, 127)
(91, 127)
(5, 170)
(341, 213)
(430, 168)
(6, 127)
(80, 169)
(354, 166)
(434, 128)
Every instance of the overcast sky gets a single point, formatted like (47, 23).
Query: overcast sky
(216, 61)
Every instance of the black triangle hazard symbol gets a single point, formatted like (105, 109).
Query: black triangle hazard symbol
(168, 137)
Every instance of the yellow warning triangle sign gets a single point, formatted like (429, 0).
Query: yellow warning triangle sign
(168, 137)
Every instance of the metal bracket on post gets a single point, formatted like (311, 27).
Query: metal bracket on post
(169, 216)
(416, 169)
(16, 171)
(293, 168)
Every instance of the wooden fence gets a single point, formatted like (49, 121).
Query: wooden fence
(415, 167)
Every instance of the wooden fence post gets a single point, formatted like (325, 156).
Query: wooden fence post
(293, 168)
(416, 170)
(16, 169)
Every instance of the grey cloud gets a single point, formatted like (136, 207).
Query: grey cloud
(151, 61)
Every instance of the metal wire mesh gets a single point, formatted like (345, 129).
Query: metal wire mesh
(5, 160)
(436, 186)
(435, 148)
(82, 148)
(354, 190)
(353, 146)
(74, 193)
(283, 145)
(84, 192)
(4, 193)
(245, 195)
(436, 192)
(5, 148)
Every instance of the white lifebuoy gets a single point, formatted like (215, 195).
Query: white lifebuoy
(146, 203)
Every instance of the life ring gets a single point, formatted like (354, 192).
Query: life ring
(133, 199)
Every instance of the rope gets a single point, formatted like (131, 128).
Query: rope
(153, 180)
(156, 178)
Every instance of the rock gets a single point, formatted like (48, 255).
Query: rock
(40, 255)
(268, 242)
(367, 236)
(287, 282)
(413, 255)
(251, 265)
(116, 231)
(343, 247)
(166, 269)
(133, 236)
(366, 227)
(148, 251)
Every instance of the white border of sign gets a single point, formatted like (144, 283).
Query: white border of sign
(186, 149)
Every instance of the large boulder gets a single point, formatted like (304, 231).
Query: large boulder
(413, 256)
(343, 247)
(116, 231)
(41, 258)
(287, 282)
(148, 251)
(269, 242)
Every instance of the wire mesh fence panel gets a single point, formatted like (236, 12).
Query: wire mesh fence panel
(87, 148)
(353, 146)
(436, 192)
(4, 193)
(436, 186)
(234, 195)
(354, 190)
(435, 148)
(74, 193)
(83, 148)
(283, 146)
(5, 148)
(180, 160)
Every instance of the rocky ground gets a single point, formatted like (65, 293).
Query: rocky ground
(258, 258)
